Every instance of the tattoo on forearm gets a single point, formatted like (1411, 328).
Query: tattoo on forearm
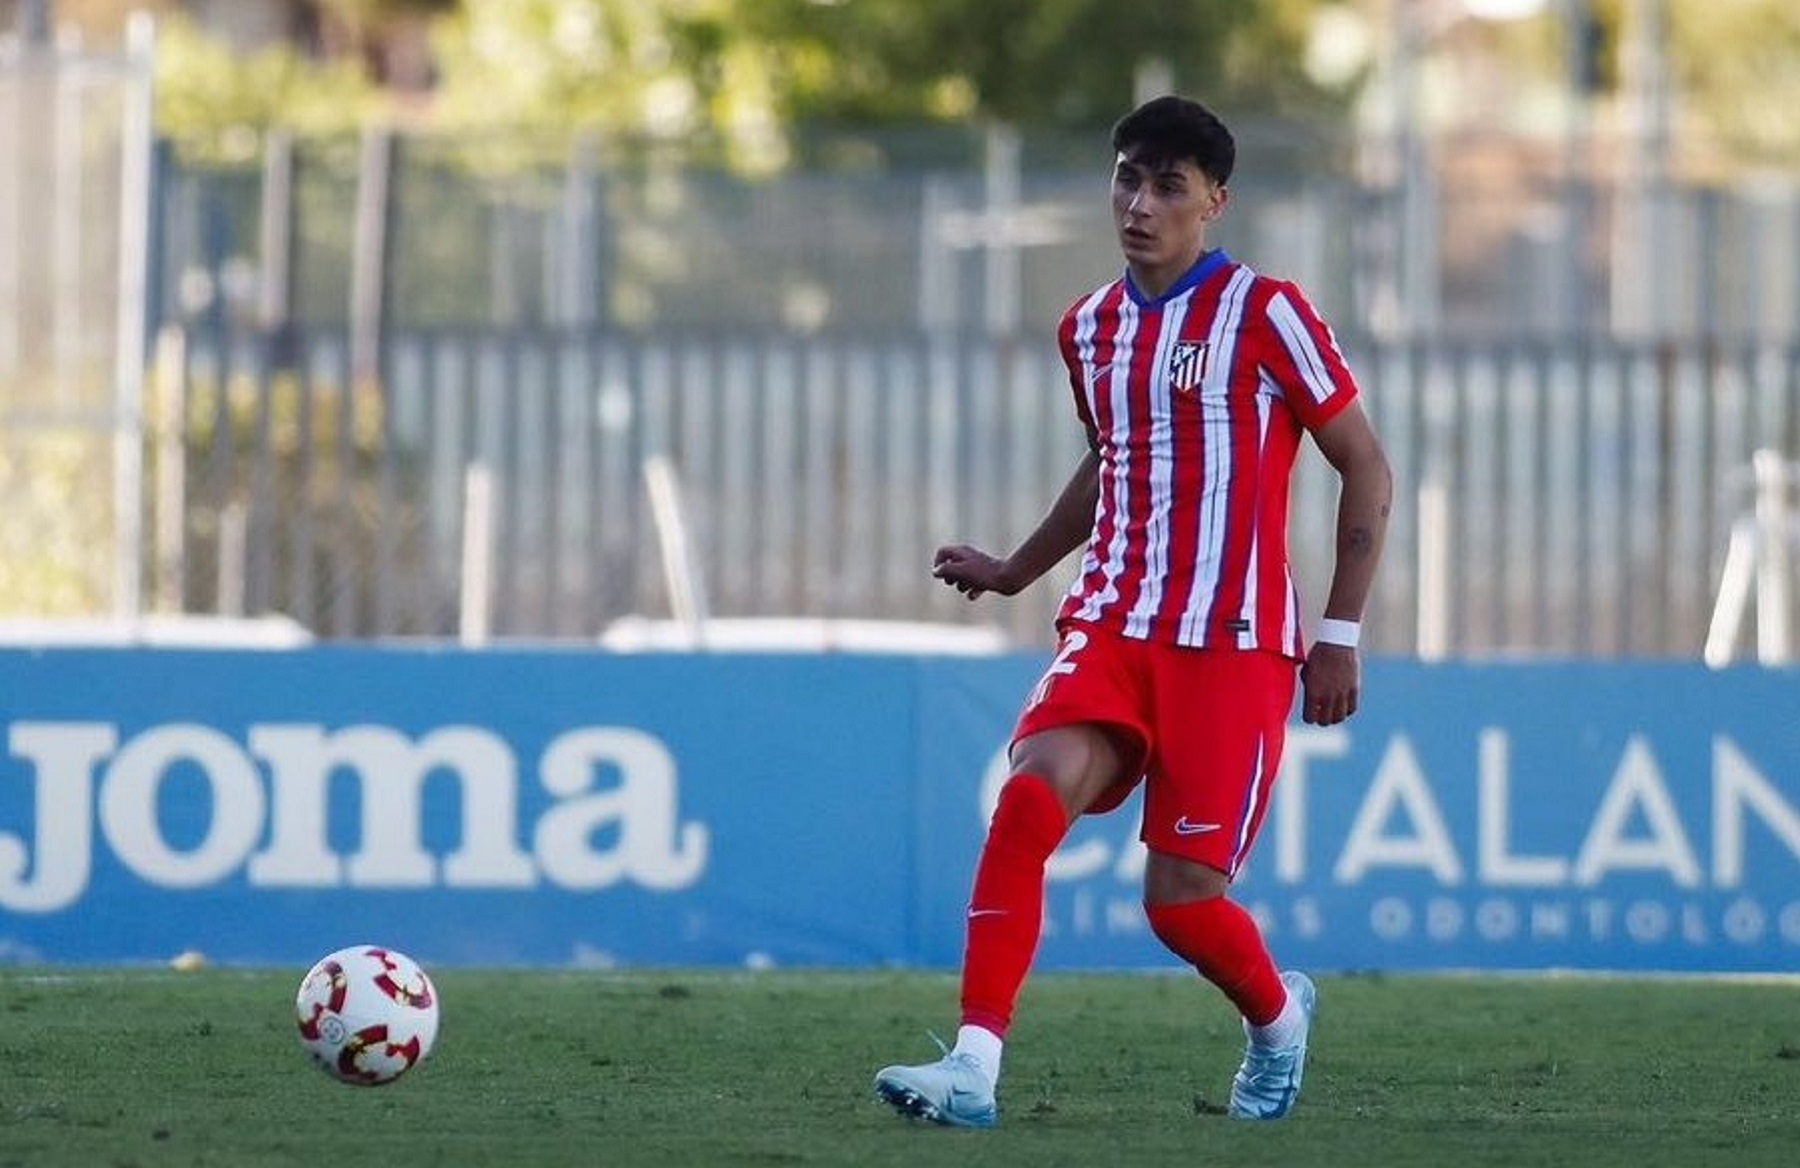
(1360, 541)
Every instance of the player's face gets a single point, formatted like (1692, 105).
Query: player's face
(1161, 210)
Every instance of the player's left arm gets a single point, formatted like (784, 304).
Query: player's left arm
(1332, 675)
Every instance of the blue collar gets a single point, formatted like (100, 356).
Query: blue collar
(1208, 263)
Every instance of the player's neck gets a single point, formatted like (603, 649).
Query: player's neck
(1153, 281)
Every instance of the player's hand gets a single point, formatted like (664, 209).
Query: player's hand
(972, 571)
(1331, 683)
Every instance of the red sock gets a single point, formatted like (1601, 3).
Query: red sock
(1006, 909)
(1222, 941)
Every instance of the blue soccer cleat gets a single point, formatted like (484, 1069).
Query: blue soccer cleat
(952, 1091)
(1268, 1081)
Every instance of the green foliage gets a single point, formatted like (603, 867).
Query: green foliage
(216, 104)
(376, 13)
(55, 530)
(1738, 65)
(1733, 71)
(730, 78)
(1031, 62)
(682, 72)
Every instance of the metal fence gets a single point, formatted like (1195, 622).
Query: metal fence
(74, 217)
(1551, 500)
(369, 341)
(990, 231)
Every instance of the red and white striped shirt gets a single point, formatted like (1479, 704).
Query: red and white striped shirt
(1196, 402)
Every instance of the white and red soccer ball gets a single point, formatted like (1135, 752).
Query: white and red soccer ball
(367, 1014)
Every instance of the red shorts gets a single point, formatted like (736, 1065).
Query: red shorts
(1208, 725)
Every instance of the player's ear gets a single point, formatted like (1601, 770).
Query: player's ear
(1220, 196)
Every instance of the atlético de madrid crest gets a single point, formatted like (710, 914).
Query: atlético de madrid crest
(1187, 366)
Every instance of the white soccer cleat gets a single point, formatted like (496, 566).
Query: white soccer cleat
(952, 1091)
(1268, 1081)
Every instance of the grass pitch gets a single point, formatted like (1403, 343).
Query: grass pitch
(678, 1068)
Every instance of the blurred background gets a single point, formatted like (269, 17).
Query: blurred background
(567, 320)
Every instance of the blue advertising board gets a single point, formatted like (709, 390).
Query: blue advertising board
(576, 808)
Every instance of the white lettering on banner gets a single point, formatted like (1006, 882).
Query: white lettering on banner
(635, 809)
(302, 759)
(1637, 786)
(1736, 783)
(1635, 828)
(1289, 799)
(1399, 784)
(128, 801)
(1090, 914)
(1495, 862)
(63, 758)
(1501, 920)
(643, 807)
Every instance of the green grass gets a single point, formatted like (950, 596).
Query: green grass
(108, 1069)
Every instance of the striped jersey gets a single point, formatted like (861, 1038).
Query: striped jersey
(1195, 403)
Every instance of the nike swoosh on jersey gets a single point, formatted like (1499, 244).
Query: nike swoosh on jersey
(1184, 826)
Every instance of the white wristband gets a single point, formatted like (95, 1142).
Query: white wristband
(1339, 632)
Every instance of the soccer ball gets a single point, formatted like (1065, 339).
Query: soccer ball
(367, 1015)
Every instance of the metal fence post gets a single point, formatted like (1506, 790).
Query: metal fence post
(368, 273)
(171, 470)
(137, 146)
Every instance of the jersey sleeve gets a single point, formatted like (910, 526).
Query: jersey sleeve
(1072, 364)
(1302, 356)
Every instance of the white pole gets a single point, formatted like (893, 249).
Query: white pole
(13, 102)
(234, 539)
(275, 244)
(137, 144)
(1434, 571)
(1001, 267)
(368, 262)
(687, 595)
(1734, 595)
(1774, 575)
(1641, 301)
(171, 470)
(937, 271)
(477, 553)
(68, 141)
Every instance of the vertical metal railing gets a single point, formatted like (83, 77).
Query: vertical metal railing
(1570, 501)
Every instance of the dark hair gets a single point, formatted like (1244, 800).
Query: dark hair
(1169, 129)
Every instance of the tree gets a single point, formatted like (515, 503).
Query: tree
(215, 102)
(388, 36)
(1031, 62)
(1737, 68)
(686, 71)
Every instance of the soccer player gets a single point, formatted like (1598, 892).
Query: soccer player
(1180, 640)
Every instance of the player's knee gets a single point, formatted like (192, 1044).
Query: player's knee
(1177, 880)
(1077, 762)
(1030, 815)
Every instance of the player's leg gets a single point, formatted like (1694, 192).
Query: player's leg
(1222, 941)
(1221, 726)
(1055, 773)
(1072, 749)
(1191, 914)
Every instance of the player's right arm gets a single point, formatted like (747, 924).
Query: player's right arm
(1066, 527)
(1070, 520)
